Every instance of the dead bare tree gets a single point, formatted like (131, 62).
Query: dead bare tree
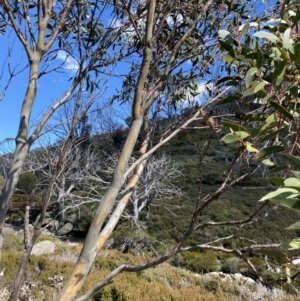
(159, 180)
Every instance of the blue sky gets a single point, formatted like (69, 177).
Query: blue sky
(50, 86)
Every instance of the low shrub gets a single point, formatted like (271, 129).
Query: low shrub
(231, 265)
(13, 242)
(27, 182)
(213, 179)
(109, 294)
(197, 262)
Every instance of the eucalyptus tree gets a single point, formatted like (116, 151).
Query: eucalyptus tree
(175, 45)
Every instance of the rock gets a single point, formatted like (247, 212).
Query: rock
(248, 280)
(109, 243)
(237, 276)
(72, 218)
(213, 274)
(43, 247)
(65, 229)
(47, 215)
(231, 277)
(52, 223)
(296, 261)
(47, 232)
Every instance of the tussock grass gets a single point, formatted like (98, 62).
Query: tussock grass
(46, 275)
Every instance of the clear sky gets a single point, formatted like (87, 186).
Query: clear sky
(50, 87)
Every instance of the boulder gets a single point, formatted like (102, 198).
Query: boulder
(72, 218)
(248, 280)
(296, 261)
(47, 232)
(52, 223)
(65, 229)
(47, 215)
(43, 247)
(237, 276)
(109, 243)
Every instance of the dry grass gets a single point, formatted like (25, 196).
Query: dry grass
(163, 283)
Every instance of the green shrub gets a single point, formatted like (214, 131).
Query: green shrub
(197, 262)
(111, 294)
(209, 284)
(213, 179)
(13, 242)
(15, 217)
(27, 182)
(231, 265)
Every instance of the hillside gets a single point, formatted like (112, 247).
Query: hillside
(168, 220)
(170, 217)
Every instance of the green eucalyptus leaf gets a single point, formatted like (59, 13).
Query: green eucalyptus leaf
(292, 203)
(266, 35)
(273, 134)
(248, 92)
(297, 50)
(235, 127)
(280, 78)
(242, 134)
(229, 99)
(254, 117)
(282, 10)
(249, 75)
(279, 69)
(259, 87)
(227, 78)
(230, 60)
(292, 182)
(278, 168)
(259, 59)
(251, 55)
(293, 244)
(276, 180)
(244, 30)
(267, 151)
(281, 110)
(294, 91)
(223, 34)
(230, 138)
(267, 162)
(281, 193)
(232, 83)
(250, 148)
(296, 173)
(295, 161)
(286, 40)
(266, 98)
(268, 122)
(225, 45)
(294, 227)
